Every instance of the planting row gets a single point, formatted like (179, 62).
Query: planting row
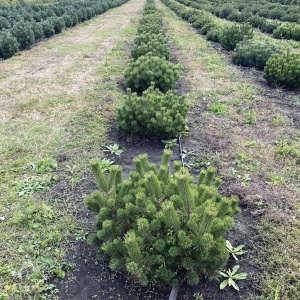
(290, 31)
(162, 228)
(287, 11)
(281, 68)
(22, 26)
(158, 111)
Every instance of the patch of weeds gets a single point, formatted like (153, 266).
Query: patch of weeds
(234, 251)
(278, 245)
(105, 164)
(45, 165)
(232, 276)
(33, 184)
(286, 150)
(250, 117)
(170, 143)
(114, 149)
(276, 179)
(246, 163)
(250, 144)
(217, 108)
(277, 121)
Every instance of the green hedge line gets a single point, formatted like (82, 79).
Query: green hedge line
(23, 25)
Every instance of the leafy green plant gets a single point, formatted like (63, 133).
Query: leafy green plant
(218, 108)
(147, 70)
(250, 117)
(283, 70)
(231, 276)
(105, 164)
(155, 224)
(170, 143)
(254, 54)
(233, 34)
(235, 251)
(154, 113)
(114, 149)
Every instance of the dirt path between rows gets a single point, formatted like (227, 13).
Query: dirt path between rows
(62, 66)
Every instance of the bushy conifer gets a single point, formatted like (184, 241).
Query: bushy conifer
(156, 225)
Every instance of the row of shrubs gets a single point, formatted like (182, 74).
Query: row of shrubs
(162, 228)
(280, 68)
(20, 29)
(290, 31)
(157, 110)
(288, 11)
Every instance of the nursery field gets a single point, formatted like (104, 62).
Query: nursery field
(210, 98)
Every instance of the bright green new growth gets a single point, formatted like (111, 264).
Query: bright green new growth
(230, 36)
(289, 31)
(155, 46)
(155, 224)
(283, 70)
(254, 54)
(154, 113)
(147, 70)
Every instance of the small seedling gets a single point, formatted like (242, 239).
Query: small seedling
(105, 164)
(250, 117)
(231, 276)
(71, 169)
(170, 143)
(235, 251)
(114, 149)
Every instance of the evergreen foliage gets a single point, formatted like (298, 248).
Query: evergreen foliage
(48, 29)
(287, 31)
(283, 70)
(28, 22)
(24, 34)
(155, 225)
(214, 34)
(155, 46)
(154, 113)
(148, 69)
(254, 54)
(8, 45)
(231, 35)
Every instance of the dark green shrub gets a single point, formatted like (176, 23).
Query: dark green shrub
(288, 31)
(150, 28)
(37, 29)
(8, 44)
(68, 20)
(214, 34)
(48, 29)
(58, 24)
(154, 113)
(154, 46)
(24, 34)
(149, 69)
(231, 35)
(155, 224)
(4, 24)
(254, 54)
(283, 70)
(145, 38)
(225, 11)
(268, 26)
